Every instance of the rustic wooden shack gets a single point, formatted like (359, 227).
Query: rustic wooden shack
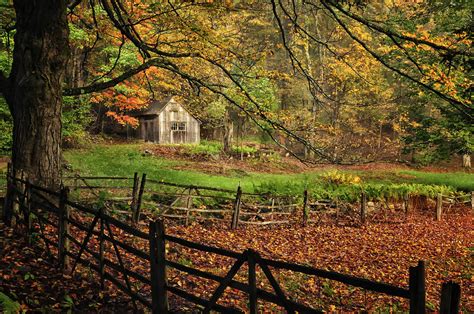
(168, 122)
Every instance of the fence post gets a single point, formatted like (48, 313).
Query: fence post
(305, 207)
(7, 204)
(472, 200)
(450, 298)
(134, 192)
(236, 213)
(439, 206)
(363, 207)
(159, 295)
(252, 281)
(136, 212)
(101, 248)
(417, 288)
(188, 206)
(63, 229)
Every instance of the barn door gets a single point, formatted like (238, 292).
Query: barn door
(149, 131)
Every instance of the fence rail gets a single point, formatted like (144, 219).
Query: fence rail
(54, 209)
(194, 202)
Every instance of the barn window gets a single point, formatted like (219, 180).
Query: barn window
(178, 126)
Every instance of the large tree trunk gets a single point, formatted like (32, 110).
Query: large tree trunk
(35, 93)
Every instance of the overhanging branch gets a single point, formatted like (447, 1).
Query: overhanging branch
(112, 82)
(463, 108)
(389, 32)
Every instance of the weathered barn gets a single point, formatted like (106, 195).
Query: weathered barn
(167, 122)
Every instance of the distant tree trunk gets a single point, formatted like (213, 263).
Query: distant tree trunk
(466, 161)
(228, 131)
(35, 92)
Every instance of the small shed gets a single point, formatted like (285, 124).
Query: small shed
(168, 122)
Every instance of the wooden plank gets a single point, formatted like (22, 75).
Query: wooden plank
(202, 247)
(197, 300)
(265, 214)
(63, 229)
(45, 190)
(262, 223)
(84, 244)
(119, 258)
(190, 186)
(128, 248)
(81, 207)
(224, 283)
(236, 209)
(136, 212)
(347, 279)
(101, 187)
(261, 294)
(121, 225)
(98, 178)
(276, 287)
(113, 265)
(134, 191)
(305, 207)
(101, 248)
(439, 206)
(363, 207)
(112, 279)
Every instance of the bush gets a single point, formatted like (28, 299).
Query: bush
(244, 149)
(209, 148)
(75, 118)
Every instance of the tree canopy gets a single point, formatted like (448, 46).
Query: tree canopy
(343, 78)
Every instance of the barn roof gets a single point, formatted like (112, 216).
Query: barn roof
(155, 107)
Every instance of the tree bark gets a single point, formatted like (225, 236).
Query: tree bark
(35, 88)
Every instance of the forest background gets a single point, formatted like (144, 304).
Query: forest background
(292, 72)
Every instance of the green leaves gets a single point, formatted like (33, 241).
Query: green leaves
(8, 305)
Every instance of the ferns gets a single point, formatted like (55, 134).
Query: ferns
(7, 305)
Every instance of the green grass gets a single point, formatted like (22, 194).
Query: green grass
(458, 180)
(124, 160)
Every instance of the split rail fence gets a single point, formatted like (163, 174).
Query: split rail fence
(33, 206)
(191, 202)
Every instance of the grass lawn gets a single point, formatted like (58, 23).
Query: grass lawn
(125, 159)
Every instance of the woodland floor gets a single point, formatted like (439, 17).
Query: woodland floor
(31, 278)
(381, 250)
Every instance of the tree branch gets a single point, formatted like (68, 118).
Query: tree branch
(111, 83)
(389, 32)
(460, 106)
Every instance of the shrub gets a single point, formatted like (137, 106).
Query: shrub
(336, 177)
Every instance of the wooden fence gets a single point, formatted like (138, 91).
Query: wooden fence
(25, 201)
(192, 202)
